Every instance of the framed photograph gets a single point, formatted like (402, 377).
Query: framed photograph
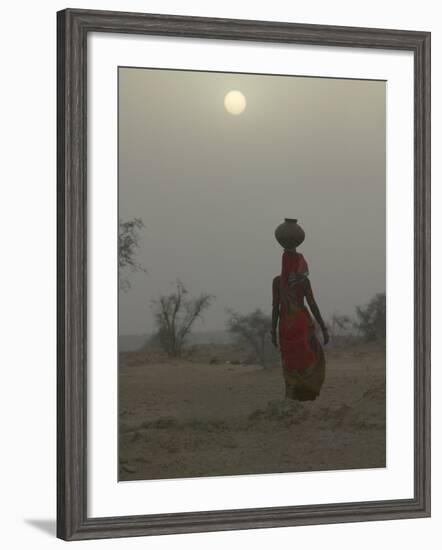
(243, 274)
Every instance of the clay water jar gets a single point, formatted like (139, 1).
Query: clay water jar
(289, 234)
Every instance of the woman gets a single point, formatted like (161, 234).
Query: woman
(302, 355)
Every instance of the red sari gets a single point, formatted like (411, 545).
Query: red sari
(301, 352)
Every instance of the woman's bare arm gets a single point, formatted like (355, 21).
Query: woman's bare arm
(275, 310)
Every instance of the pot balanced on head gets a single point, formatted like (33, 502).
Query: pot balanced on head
(289, 234)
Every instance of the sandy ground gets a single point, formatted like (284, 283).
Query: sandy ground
(184, 419)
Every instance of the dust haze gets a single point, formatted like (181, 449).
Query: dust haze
(211, 187)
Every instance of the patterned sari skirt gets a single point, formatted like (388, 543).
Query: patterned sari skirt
(303, 360)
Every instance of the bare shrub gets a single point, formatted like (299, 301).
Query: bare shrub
(175, 314)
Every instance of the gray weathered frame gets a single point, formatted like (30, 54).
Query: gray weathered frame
(73, 27)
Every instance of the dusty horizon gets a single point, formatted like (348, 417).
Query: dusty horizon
(212, 186)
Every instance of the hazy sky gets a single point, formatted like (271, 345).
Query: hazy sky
(211, 187)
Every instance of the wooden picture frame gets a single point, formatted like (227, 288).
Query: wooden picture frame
(73, 27)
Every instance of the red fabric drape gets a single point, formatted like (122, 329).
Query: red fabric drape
(295, 324)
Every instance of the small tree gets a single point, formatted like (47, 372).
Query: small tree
(339, 325)
(128, 243)
(253, 329)
(371, 319)
(175, 315)
(341, 322)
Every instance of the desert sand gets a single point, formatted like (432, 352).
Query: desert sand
(188, 419)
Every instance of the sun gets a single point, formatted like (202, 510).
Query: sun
(235, 102)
